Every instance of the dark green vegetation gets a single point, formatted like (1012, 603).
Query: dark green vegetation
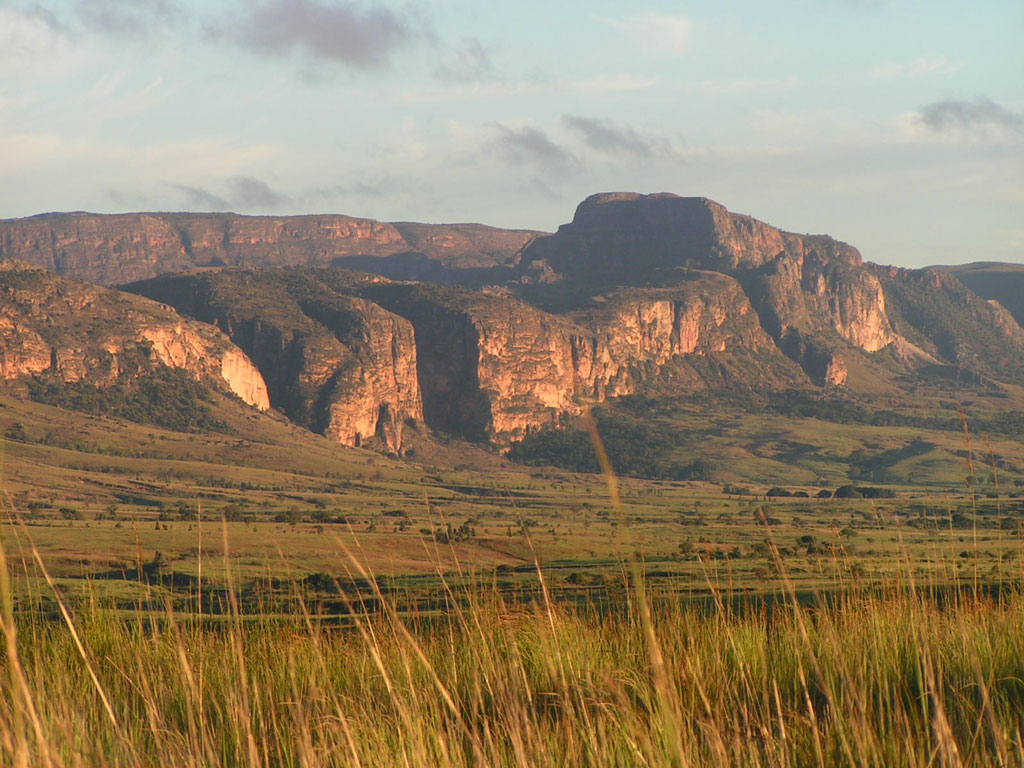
(800, 437)
(165, 397)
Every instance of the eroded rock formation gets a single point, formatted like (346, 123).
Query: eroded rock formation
(123, 248)
(84, 332)
(334, 362)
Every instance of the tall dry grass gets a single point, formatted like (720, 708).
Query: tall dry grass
(870, 678)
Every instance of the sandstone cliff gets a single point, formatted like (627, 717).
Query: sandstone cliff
(493, 367)
(810, 291)
(639, 294)
(122, 248)
(335, 363)
(81, 332)
(623, 238)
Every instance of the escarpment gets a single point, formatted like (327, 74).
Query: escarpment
(335, 363)
(83, 333)
(486, 334)
(123, 248)
(802, 286)
(951, 324)
(493, 367)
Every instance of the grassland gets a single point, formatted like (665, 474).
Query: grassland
(260, 596)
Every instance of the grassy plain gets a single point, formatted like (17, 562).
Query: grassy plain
(263, 597)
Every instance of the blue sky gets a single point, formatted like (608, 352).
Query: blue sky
(896, 126)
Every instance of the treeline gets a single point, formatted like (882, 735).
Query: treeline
(799, 404)
(635, 449)
(165, 397)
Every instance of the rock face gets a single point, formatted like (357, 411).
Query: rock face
(493, 367)
(802, 286)
(122, 248)
(622, 237)
(83, 332)
(635, 334)
(335, 363)
(639, 294)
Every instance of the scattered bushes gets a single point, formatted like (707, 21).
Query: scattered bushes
(166, 397)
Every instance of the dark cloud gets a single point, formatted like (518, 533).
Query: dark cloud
(247, 192)
(197, 198)
(243, 193)
(982, 114)
(346, 32)
(537, 186)
(605, 136)
(528, 144)
(469, 64)
(125, 17)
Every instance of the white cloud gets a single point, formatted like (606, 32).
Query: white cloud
(654, 33)
(28, 38)
(922, 66)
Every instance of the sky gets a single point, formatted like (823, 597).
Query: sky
(895, 126)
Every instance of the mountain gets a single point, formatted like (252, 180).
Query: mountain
(994, 281)
(656, 297)
(342, 348)
(121, 248)
(67, 341)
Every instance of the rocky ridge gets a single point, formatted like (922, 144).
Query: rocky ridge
(122, 248)
(81, 332)
(639, 294)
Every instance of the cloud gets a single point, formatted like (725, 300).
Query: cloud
(654, 33)
(359, 36)
(920, 67)
(28, 36)
(469, 64)
(605, 136)
(125, 17)
(243, 193)
(982, 116)
(538, 187)
(528, 144)
(199, 199)
(248, 192)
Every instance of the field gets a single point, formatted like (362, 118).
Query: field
(263, 597)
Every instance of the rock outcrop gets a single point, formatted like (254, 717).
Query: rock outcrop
(623, 238)
(123, 248)
(82, 332)
(334, 362)
(802, 286)
(493, 367)
(639, 294)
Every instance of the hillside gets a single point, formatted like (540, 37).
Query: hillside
(66, 341)
(655, 299)
(994, 281)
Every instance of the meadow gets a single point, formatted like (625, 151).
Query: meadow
(263, 598)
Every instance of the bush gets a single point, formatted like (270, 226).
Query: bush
(166, 397)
